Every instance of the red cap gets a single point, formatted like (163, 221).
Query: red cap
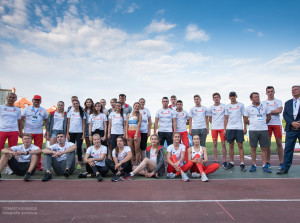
(37, 97)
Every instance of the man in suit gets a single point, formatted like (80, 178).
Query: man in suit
(291, 115)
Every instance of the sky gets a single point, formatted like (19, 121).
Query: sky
(149, 48)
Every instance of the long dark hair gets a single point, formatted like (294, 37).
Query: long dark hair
(101, 109)
(92, 108)
(117, 148)
(121, 111)
(81, 111)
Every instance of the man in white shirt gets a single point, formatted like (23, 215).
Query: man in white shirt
(275, 124)
(233, 128)
(182, 120)
(257, 116)
(10, 122)
(173, 102)
(35, 118)
(27, 154)
(198, 124)
(166, 117)
(61, 157)
(216, 114)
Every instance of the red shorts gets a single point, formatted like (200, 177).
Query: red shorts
(277, 129)
(214, 134)
(12, 138)
(131, 134)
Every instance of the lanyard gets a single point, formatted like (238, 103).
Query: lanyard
(35, 112)
(295, 104)
(258, 109)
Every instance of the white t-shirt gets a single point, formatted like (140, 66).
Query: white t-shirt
(57, 148)
(273, 105)
(173, 151)
(165, 119)
(122, 154)
(145, 115)
(9, 117)
(198, 117)
(58, 121)
(75, 121)
(97, 154)
(257, 117)
(194, 153)
(181, 118)
(173, 108)
(235, 113)
(24, 158)
(117, 121)
(97, 121)
(218, 115)
(153, 155)
(87, 113)
(34, 119)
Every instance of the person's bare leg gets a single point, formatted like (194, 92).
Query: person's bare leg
(146, 162)
(4, 160)
(231, 151)
(33, 162)
(52, 141)
(224, 150)
(279, 149)
(253, 155)
(241, 152)
(137, 150)
(130, 144)
(264, 155)
(215, 149)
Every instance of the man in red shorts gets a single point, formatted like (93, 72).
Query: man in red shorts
(216, 115)
(35, 117)
(275, 124)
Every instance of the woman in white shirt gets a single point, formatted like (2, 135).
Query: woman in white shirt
(145, 126)
(95, 160)
(57, 122)
(121, 164)
(198, 155)
(76, 129)
(116, 124)
(175, 158)
(134, 120)
(98, 123)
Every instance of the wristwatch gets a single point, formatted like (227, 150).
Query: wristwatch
(27, 152)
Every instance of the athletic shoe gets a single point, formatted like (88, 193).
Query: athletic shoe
(83, 175)
(8, 171)
(129, 178)
(282, 171)
(196, 175)
(47, 177)
(27, 176)
(281, 166)
(67, 173)
(78, 166)
(123, 177)
(225, 165)
(116, 178)
(184, 177)
(268, 165)
(266, 169)
(170, 175)
(99, 177)
(253, 168)
(230, 166)
(243, 169)
(204, 177)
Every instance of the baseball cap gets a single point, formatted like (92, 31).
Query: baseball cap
(232, 93)
(37, 97)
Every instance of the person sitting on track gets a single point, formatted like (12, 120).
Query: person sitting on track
(28, 158)
(175, 157)
(95, 160)
(61, 156)
(153, 164)
(121, 166)
(198, 155)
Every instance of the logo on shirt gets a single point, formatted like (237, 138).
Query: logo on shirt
(165, 113)
(233, 108)
(8, 110)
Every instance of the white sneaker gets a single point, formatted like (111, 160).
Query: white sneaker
(184, 177)
(196, 175)
(9, 171)
(170, 175)
(204, 177)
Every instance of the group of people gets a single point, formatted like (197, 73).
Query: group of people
(116, 138)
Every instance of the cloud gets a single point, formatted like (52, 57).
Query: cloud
(238, 20)
(286, 58)
(240, 61)
(160, 12)
(195, 34)
(258, 33)
(131, 8)
(159, 26)
(17, 15)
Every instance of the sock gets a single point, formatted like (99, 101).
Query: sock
(131, 174)
(232, 163)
